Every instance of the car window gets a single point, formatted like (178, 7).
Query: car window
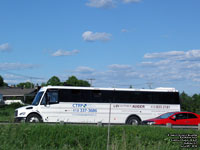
(191, 116)
(166, 115)
(181, 116)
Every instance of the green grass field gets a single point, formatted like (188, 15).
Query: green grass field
(7, 112)
(86, 137)
(76, 137)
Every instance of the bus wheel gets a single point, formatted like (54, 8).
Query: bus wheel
(133, 121)
(33, 118)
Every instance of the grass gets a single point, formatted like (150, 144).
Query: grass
(76, 137)
(7, 112)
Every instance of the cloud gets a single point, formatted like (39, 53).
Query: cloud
(101, 3)
(124, 30)
(114, 75)
(84, 70)
(16, 66)
(179, 69)
(173, 65)
(119, 67)
(11, 78)
(164, 54)
(122, 73)
(108, 3)
(156, 64)
(131, 1)
(192, 55)
(172, 68)
(176, 55)
(89, 36)
(5, 47)
(61, 52)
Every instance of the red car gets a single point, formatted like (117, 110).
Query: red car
(175, 118)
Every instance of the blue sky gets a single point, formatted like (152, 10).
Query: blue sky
(117, 42)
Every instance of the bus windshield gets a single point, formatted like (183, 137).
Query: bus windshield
(37, 98)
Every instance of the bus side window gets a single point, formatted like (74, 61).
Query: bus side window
(68, 95)
(86, 96)
(96, 96)
(75, 96)
(107, 96)
(165, 98)
(64, 95)
(52, 96)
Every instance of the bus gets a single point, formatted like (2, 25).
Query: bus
(98, 105)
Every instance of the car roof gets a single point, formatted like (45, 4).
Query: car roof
(177, 112)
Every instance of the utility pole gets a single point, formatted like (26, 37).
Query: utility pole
(31, 78)
(91, 79)
(150, 84)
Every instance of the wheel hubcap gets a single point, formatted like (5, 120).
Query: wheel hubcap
(34, 119)
(134, 122)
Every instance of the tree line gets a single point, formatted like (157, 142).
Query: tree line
(54, 81)
(2, 83)
(190, 103)
(71, 81)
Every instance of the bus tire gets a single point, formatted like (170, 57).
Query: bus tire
(133, 120)
(33, 118)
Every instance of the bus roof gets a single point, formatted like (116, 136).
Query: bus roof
(160, 89)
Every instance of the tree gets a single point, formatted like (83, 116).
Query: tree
(185, 101)
(190, 103)
(43, 84)
(196, 103)
(54, 81)
(73, 81)
(5, 84)
(1, 81)
(25, 85)
(184, 96)
(83, 83)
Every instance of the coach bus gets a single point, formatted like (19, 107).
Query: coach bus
(98, 105)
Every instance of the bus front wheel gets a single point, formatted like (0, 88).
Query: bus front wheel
(133, 121)
(33, 118)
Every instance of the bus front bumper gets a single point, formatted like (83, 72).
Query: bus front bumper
(20, 119)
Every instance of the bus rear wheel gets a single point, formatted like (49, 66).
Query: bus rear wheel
(133, 121)
(33, 118)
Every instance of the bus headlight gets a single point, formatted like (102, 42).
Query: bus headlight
(22, 113)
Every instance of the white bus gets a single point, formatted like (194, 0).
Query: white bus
(98, 105)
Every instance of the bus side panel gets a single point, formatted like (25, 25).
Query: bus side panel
(99, 112)
(120, 112)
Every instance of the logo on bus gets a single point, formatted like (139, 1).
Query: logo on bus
(79, 105)
(128, 106)
(84, 108)
(138, 106)
(160, 106)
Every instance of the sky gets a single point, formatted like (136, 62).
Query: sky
(117, 43)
